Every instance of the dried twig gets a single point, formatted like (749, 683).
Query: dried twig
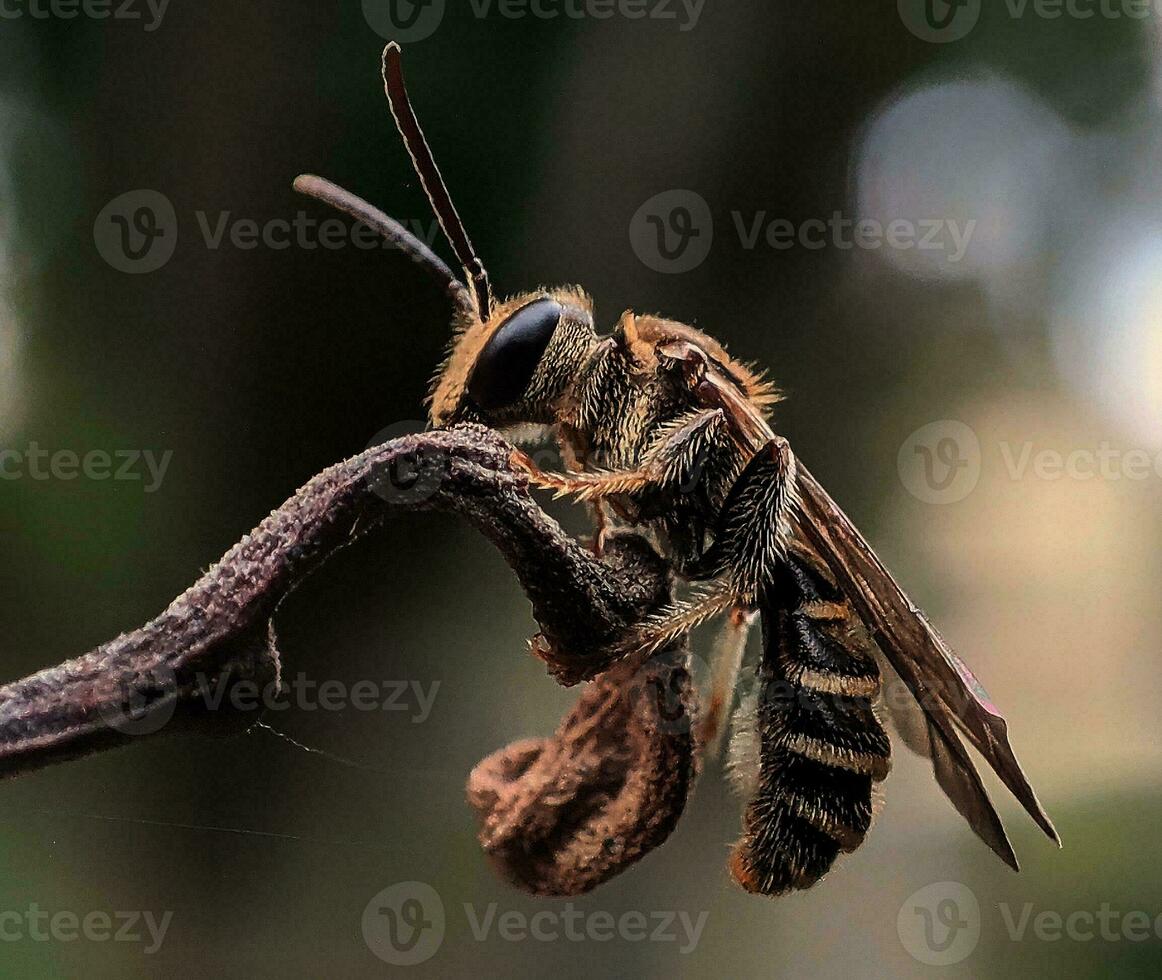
(219, 632)
(559, 815)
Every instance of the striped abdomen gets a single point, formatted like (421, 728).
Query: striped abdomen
(819, 745)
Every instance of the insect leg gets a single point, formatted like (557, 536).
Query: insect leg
(664, 627)
(655, 632)
(601, 527)
(673, 462)
(726, 663)
(602, 524)
(753, 527)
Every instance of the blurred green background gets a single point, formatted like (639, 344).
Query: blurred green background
(259, 367)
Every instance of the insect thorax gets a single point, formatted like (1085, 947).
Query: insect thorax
(617, 414)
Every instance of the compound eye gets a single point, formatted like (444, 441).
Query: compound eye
(505, 366)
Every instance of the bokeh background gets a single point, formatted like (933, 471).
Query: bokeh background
(259, 367)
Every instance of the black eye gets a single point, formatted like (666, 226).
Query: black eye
(505, 366)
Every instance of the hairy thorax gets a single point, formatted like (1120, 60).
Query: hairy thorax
(619, 410)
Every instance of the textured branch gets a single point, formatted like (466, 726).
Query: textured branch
(219, 634)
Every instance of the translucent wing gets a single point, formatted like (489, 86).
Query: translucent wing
(950, 696)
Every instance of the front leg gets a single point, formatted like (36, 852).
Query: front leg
(751, 541)
(673, 464)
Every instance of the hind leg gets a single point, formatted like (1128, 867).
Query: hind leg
(726, 662)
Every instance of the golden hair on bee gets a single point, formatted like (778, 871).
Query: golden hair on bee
(663, 433)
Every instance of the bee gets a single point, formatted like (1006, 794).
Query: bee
(661, 429)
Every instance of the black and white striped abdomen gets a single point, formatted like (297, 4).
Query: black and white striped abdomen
(818, 744)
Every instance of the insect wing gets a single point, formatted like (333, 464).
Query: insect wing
(949, 694)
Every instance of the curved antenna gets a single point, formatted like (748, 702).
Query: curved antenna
(430, 178)
(396, 234)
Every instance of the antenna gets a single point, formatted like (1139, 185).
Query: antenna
(323, 190)
(433, 183)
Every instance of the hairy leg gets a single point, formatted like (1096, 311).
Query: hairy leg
(726, 662)
(673, 462)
